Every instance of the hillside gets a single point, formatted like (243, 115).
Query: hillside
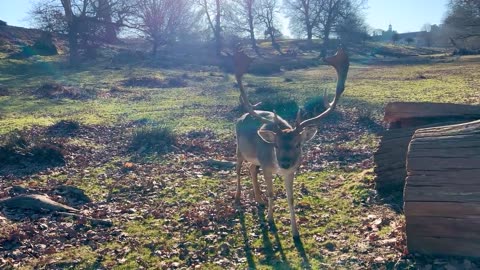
(144, 148)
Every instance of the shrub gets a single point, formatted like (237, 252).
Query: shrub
(153, 139)
(264, 68)
(47, 154)
(63, 128)
(152, 82)
(26, 155)
(13, 144)
(4, 91)
(265, 90)
(176, 82)
(301, 63)
(55, 90)
(313, 106)
(286, 108)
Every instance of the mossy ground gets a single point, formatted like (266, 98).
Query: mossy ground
(188, 219)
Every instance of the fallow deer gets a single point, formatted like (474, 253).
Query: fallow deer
(266, 140)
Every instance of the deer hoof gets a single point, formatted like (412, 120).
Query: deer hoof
(261, 202)
(272, 226)
(237, 200)
(296, 237)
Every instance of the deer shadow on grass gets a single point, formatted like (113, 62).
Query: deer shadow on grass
(247, 248)
(270, 248)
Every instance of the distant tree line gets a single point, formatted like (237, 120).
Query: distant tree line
(463, 22)
(88, 23)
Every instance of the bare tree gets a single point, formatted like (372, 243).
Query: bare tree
(304, 15)
(352, 29)
(321, 17)
(266, 13)
(426, 35)
(162, 21)
(85, 22)
(213, 11)
(334, 12)
(463, 17)
(243, 19)
(104, 13)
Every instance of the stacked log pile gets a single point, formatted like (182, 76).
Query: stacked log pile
(442, 191)
(403, 119)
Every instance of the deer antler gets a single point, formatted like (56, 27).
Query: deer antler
(341, 64)
(241, 63)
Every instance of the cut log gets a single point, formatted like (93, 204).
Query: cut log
(442, 190)
(403, 119)
(390, 158)
(396, 111)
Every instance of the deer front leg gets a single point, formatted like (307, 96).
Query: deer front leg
(267, 174)
(239, 186)
(289, 188)
(256, 188)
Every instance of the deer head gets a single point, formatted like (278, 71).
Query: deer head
(288, 139)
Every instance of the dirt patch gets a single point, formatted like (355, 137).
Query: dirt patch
(55, 90)
(150, 82)
(4, 91)
(64, 128)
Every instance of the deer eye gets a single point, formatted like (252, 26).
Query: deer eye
(297, 146)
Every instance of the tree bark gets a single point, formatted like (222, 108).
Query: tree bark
(442, 190)
(72, 23)
(105, 13)
(252, 28)
(326, 42)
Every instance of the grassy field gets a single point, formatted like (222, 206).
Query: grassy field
(171, 208)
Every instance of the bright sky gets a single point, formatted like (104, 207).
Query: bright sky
(404, 15)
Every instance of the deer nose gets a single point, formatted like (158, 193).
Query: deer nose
(285, 163)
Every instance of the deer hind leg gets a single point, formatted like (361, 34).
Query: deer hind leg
(256, 187)
(238, 170)
(289, 188)
(267, 174)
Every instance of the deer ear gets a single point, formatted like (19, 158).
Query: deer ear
(267, 135)
(308, 133)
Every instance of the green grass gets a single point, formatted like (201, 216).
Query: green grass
(331, 214)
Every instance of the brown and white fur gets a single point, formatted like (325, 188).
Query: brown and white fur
(266, 140)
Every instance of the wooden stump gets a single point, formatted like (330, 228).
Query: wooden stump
(403, 119)
(442, 191)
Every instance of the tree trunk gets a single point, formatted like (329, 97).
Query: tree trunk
(326, 41)
(275, 45)
(252, 29)
(442, 191)
(309, 34)
(217, 30)
(74, 57)
(72, 23)
(105, 13)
